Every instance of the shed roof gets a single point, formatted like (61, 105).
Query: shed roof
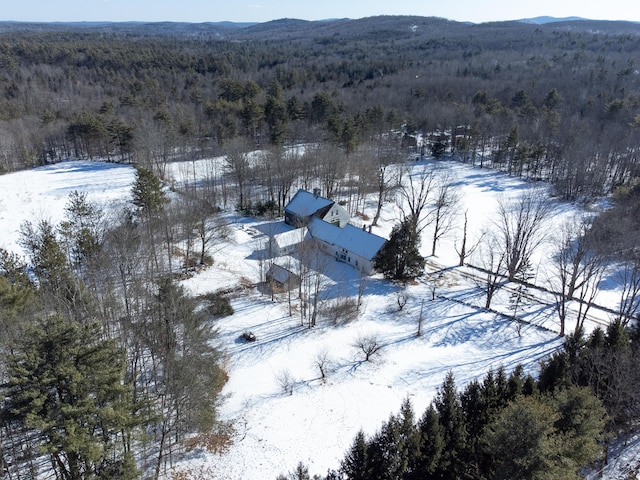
(305, 204)
(280, 274)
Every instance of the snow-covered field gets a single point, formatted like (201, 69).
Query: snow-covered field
(42, 193)
(317, 421)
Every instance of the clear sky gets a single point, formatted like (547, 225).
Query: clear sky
(265, 10)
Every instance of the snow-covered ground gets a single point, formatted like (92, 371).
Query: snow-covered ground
(318, 420)
(42, 193)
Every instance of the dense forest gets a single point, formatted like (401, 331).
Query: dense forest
(557, 102)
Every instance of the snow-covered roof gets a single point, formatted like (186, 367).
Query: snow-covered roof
(306, 203)
(279, 274)
(292, 237)
(350, 238)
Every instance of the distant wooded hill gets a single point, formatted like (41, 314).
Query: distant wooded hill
(556, 101)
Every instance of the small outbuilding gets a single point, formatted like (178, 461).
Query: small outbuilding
(281, 279)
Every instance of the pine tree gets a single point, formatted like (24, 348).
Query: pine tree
(409, 437)
(399, 258)
(46, 254)
(430, 446)
(147, 192)
(474, 406)
(17, 293)
(454, 456)
(66, 386)
(520, 441)
(80, 230)
(545, 437)
(395, 448)
(581, 423)
(275, 113)
(385, 452)
(356, 465)
(185, 365)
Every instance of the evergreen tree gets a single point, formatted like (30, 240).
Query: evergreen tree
(186, 368)
(409, 436)
(580, 425)
(520, 441)
(275, 113)
(394, 449)
(66, 386)
(385, 455)
(399, 258)
(80, 230)
(454, 456)
(545, 437)
(356, 464)
(430, 447)
(17, 293)
(147, 192)
(46, 254)
(515, 383)
(474, 406)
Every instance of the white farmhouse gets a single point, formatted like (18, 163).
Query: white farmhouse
(326, 223)
(350, 244)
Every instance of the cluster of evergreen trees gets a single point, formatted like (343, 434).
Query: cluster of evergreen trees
(511, 426)
(502, 427)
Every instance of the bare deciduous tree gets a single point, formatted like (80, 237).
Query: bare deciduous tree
(520, 229)
(387, 154)
(577, 269)
(465, 250)
(285, 381)
(630, 296)
(323, 362)
(363, 281)
(416, 190)
(445, 206)
(492, 264)
(401, 300)
(311, 267)
(369, 345)
(420, 320)
(237, 162)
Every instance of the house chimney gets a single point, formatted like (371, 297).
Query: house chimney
(316, 192)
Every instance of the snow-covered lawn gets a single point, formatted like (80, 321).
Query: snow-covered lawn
(316, 423)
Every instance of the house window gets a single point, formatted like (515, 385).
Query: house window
(343, 256)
